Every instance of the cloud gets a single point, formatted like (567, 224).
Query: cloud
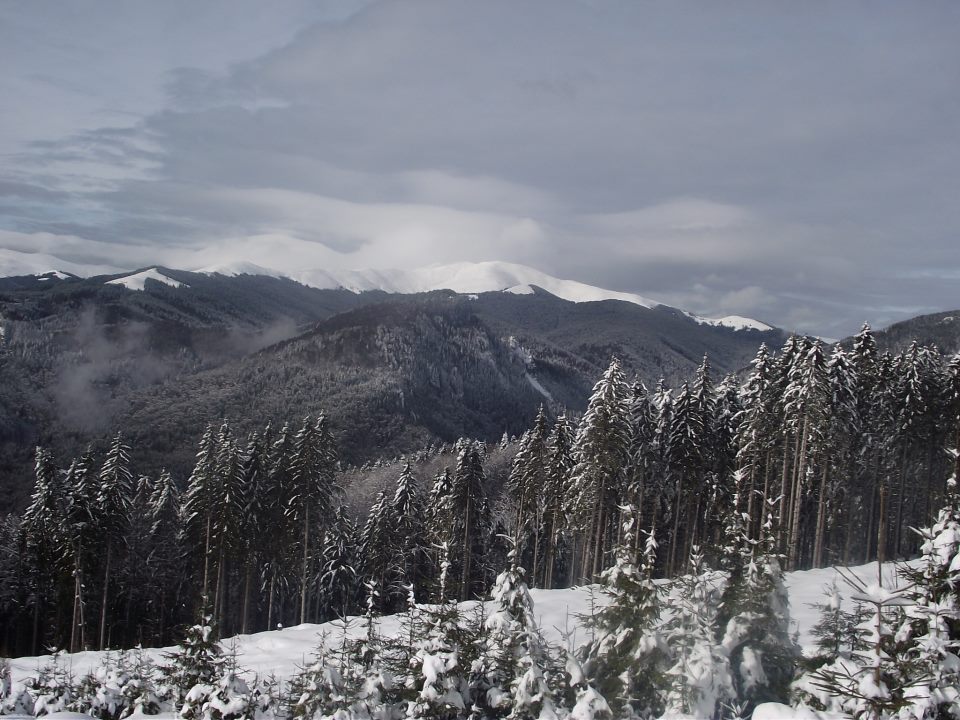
(797, 163)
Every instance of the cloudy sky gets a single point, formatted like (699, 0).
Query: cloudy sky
(795, 162)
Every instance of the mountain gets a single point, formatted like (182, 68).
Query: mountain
(941, 329)
(462, 277)
(161, 352)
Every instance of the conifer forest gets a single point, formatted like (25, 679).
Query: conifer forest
(684, 506)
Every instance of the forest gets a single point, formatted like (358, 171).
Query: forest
(815, 456)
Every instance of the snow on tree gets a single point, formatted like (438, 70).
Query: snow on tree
(601, 452)
(114, 496)
(313, 468)
(933, 623)
(835, 631)
(626, 658)
(527, 480)
(436, 674)
(510, 676)
(754, 627)
(196, 661)
(338, 575)
(876, 681)
(699, 680)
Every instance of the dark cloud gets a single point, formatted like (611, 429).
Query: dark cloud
(794, 162)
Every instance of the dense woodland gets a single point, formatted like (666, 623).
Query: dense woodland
(819, 456)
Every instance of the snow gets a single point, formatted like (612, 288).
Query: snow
(466, 278)
(284, 652)
(538, 387)
(138, 281)
(239, 267)
(53, 274)
(15, 263)
(736, 322)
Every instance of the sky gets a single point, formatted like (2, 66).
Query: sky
(794, 162)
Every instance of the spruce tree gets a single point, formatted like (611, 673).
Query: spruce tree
(601, 452)
(113, 506)
(626, 659)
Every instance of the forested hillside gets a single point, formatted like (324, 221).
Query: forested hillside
(821, 456)
(395, 373)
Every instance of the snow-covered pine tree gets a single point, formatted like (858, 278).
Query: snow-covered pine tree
(754, 617)
(877, 680)
(41, 530)
(81, 490)
(436, 676)
(842, 425)
(276, 553)
(836, 630)
(601, 451)
(528, 477)
(410, 541)
(375, 545)
(200, 503)
(933, 625)
(559, 463)
(806, 407)
(758, 432)
(626, 659)
(642, 472)
(338, 575)
(699, 680)
(251, 485)
(471, 516)
(196, 662)
(511, 675)
(114, 494)
(685, 467)
(313, 469)
(319, 690)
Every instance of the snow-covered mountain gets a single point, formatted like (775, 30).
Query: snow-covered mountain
(469, 278)
(138, 281)
(461, 277)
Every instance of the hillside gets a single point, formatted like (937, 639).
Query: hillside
(82, 357)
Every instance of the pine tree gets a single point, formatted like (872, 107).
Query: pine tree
(313, 467)
(528, 477)
(197, 662)
(754, 620)
(559, 464)
(470, 515)
(699, 678)
(41, 529)
(626, 659)
(437, 670)
(601, 451)
(338, 577)
(113, 503)
(934, 618)
(409, 537)
(510, 677)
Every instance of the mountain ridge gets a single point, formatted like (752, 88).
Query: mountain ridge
(460, 277)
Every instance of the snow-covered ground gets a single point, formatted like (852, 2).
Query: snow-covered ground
(281, 652)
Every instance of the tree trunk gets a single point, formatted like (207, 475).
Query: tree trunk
(270, 596)
(305, 566)
(76, 633)
(206, 564)
(900, 490)
(106, 596)
(821, 518)
(465, 570)
(672, 562)
(247, 582)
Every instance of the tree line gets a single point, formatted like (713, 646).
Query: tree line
(843, 445)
